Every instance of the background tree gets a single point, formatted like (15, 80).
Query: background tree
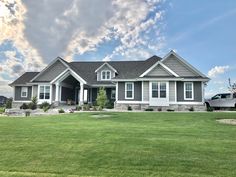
(232, 86)
(102, 98)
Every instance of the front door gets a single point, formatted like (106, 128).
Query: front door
(158, 93)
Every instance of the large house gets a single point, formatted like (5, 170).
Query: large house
(169, 82)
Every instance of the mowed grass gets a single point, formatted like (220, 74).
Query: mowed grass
(124, 144)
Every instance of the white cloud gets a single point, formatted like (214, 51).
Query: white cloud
(217, 70)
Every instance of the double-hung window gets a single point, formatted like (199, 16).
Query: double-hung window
(158, 89)
(44, 92)
(129, 90)
(24, 91)
(106, 75)
(188, 90)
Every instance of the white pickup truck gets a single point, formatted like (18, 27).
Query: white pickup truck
(222, 100)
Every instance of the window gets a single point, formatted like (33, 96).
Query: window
(24, 91)
(188, 91)
(106, 75)
(225, 96)
(113, 94)
(129, 90)
(44, 92)
(162, 90)
(216, 97)
(155, 90)
(158, 89)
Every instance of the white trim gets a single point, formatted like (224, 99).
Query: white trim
(107, 65)
(132, 102)
(195, 79)
(185, 91)
(159, 101)
(22, 101)
(142, 90)
(183, 61)
(187, 103)
(117, 91)
(203, 92)
(175, 91)
(126, 90)
(97, 85)
(14, 93)
(106, 75)
(50, 96)
(26, 91)
(164, 66)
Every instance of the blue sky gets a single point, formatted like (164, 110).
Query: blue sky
(34, 33)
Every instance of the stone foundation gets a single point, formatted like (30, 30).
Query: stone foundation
(175, 107)
(17, 104)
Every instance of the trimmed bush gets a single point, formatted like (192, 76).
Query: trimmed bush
(24, 106)
(129, 108)
(170, 110)
(78, 108)
(9, 103)
(2, 110)
(191, 109)
(102, 98)
(159, 109)
(61, 111)
(149, 109)
(44, 104)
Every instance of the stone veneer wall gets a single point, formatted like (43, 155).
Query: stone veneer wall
(176, 107)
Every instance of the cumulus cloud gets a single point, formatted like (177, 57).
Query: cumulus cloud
(217, 70)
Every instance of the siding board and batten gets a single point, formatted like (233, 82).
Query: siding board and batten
(137, 91)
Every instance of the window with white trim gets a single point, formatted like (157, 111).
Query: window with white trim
(113, 94)
(24, 91)
(44, 92)
(188, 90)
(158, 89)
(154, 89)
(129, 90)
(106, 75)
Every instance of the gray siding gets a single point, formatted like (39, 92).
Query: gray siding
(52, 72)
(137, 91)
(18, 94)
(158, 71)
(35, 90)
(105, 67)
(178, 67)
(171, 91)
(53, 92)
(146, 91)
(197, 86)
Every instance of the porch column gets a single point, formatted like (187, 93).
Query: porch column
(57, 94)
(81, 96)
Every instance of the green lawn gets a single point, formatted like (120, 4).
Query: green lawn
(124, 144)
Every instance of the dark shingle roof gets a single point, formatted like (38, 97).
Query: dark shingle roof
(125, 69)
(26, 77)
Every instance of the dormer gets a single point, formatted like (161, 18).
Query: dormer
(105, 72)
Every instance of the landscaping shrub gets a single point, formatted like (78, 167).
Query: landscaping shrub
(129, 108)
(2, 110)
(110, 105)
(46, 108)
(102, 98)
(24, 106)
(210, 109)
(86, 107)
(78, 108)
(44, 104)
(170, 110)
(27, 113)
(33, 104)
(9, 103)
(61, 111)
(191, 109)
(159, 109)
(149, 109)
(95, 108)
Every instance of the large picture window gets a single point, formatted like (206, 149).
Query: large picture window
(44, 92)
(129, 90)
(188, 91)
(158, 89)
(106, 75)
